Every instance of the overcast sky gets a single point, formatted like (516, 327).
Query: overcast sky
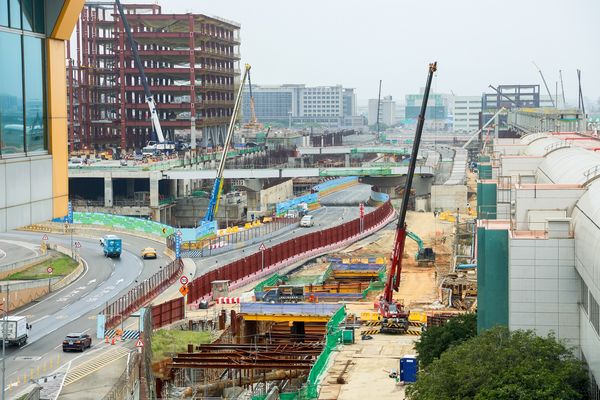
(357, 42)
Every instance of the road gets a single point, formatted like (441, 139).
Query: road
(12, 251)
(74, 308)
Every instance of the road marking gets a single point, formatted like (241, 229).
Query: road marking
(89, 367)
(92, 281)
(119, 281)
(38, 320)
(2, 254)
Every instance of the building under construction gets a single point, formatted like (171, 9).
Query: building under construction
(191, 62)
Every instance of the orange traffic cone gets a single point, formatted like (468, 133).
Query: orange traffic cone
(106, 339)
(113, 341)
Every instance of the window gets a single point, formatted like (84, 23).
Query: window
(11, 95)
(584, 300)
(3, 12)
(15, 13)
(34, 94)
(594, 314)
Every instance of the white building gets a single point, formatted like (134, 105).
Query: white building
(466, 113)
(387, 111)
(538, 233)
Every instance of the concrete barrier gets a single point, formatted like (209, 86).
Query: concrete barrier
(8, 269)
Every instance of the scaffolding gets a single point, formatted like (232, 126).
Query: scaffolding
(192, 65)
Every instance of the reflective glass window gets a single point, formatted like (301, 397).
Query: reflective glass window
(33, 58)
(4, 12)
(15, 13)
(11, 94)
(27, 6)
(39, 22)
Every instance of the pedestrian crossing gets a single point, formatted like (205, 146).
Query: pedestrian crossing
(89, 367)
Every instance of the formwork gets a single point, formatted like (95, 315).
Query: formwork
(191, 61)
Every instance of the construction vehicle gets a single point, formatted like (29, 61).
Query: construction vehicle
(153, 147)
(394, 318)
(425, 255)
(284, 294)
(213, 204)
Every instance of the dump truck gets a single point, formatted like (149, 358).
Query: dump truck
(284, 294)
(13, 330)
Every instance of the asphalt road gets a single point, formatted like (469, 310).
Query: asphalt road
(13, 251)
(73, 309)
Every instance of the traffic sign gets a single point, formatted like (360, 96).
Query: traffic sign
(45, 237)
(262, 247)
(77, 244)
(139, 343)
(184, 280)
(184, 290)
(50, 269)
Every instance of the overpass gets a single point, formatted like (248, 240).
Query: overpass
(354, 150)
(295, 172)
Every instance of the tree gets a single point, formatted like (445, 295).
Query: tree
(503, 365)
(437, 339)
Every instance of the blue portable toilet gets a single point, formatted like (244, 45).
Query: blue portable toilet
(409, 365)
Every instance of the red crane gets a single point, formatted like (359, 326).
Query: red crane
(394, 319)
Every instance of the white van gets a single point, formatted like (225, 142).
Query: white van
(307, 221)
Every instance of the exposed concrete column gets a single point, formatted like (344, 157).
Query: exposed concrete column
(173, 187)
(108, 191)
(346, 160)
(130, 187)
(154, 179)
(180, 187)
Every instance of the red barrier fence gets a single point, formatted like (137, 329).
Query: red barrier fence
(168, 312)
(139, 295)
(240, 269)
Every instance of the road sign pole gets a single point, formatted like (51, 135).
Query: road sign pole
(262, 258)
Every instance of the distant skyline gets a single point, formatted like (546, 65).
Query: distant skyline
(355, 43)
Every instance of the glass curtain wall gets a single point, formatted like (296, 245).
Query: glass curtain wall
(22, 74)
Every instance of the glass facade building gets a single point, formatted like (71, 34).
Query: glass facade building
(23, 127)
(33, 109)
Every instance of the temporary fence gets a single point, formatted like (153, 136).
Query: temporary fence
(208, 247)
(277, 255)
(164, 313)
(120, 222)
(124, 306)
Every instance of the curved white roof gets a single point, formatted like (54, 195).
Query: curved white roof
(567, 165)
(537, 147)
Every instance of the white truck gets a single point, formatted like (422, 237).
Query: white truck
(13, 330)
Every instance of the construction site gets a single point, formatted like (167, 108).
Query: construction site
(191, 61)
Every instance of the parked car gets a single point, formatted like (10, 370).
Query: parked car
(77, 341)
(149, 252)
(307, 221)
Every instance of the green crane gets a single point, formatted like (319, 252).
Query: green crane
(424, 255)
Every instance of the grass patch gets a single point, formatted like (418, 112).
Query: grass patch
(61, 264)
(166, 341)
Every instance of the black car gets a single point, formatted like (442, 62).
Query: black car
(77, 341)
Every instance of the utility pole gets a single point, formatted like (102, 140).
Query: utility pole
(378, 106)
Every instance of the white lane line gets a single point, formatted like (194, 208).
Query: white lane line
(85, 271)
(39, 319)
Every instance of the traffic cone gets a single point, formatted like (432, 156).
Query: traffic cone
(106, 339)
(113, 341)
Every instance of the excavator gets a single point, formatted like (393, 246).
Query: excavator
(393, 316)
(425, 255)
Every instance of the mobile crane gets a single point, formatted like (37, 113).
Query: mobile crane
(213, 204)
(253, 123)
(394, 318)
(152, 147)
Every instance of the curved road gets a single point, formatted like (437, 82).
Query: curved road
(74, 308)
(12, 251)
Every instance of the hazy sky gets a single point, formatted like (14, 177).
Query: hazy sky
(357, 42)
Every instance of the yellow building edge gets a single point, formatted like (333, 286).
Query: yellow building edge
(57, 103)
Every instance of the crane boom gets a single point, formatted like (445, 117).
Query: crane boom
(393, 280)
(545, 84)
(136, 58)
(213, 204)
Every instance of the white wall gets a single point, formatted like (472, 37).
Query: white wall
(449, 197)
(544, 287)
(515, 166)
(25, 191)
(529, 202)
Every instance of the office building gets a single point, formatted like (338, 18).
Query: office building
(387, 111)
(298, 105)
(436, 115)
(191, 62)
(466, 113)
(33, 110)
